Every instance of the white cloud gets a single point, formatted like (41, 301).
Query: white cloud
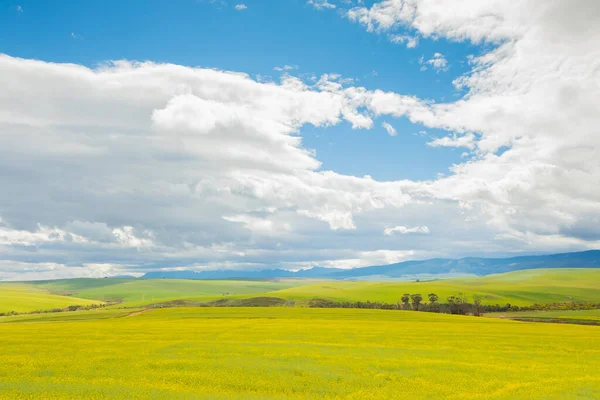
(366, 259)
(76, 36)
(467, 141)
(381, 16)
(285, 68)
(438, 62)
(258, 225)
(127, 237)
(16, 271)
(524, 99)
(241, 7)
(389, 128)
(467, 20)
(19, 9)
(410, 41)
(159, 160)
(404, 230)
(172, 151)
(321, 4)
(42, 234)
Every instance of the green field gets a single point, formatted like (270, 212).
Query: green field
(541, 286)
(295, 353)
(521, 288)
(30, 296)
(148, 290)
(26, 298)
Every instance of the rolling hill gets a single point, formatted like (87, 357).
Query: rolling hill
(27, 298)
(521, 288)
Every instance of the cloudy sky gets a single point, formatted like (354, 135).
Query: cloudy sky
(137, 136)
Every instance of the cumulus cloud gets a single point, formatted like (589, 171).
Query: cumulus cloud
(529, 100)
(164, 162)
(404, 230)
(241, 7)
(143, 166)
(438, 62)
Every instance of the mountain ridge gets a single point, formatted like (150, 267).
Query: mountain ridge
(434, 266)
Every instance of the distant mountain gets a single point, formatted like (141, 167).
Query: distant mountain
(436, 266)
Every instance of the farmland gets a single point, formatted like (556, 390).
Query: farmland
(26, 298)
(276, 353)
(517, 288)
(297, 352)
(542, 286)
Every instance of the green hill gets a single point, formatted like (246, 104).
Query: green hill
(517, 288)
(26, 298)
(148, 290)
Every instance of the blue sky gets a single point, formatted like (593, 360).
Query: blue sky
(255, 40)
(144, 135)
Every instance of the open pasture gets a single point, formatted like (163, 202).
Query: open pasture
(521, 288)
(542, 286)
(26, 298)
(293, 353)
(148, 290)
(43, 295)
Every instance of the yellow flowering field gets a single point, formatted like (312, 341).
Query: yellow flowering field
(294, 353)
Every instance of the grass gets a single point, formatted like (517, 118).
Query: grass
(541, 286)
(44, 295)
(521, 288)
(294, 353)
(25, 298)
(148, 290)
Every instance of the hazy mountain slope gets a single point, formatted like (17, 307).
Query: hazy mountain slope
(436, 266)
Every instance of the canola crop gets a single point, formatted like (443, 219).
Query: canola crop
(294, 353)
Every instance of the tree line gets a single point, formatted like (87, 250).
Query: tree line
(456, 304)
(459, 304)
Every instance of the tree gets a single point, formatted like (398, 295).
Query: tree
(416, 300)
(477, 306)
(464, 303)
(405, 299)
(458, 304)
(433, 298)
(433, 305)
(453, 302)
